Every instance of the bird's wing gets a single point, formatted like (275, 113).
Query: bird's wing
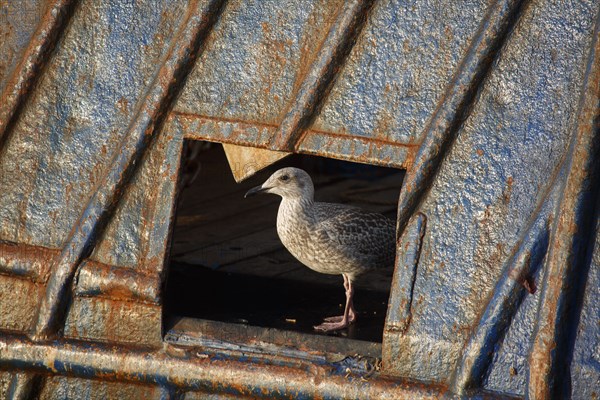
(368, 234)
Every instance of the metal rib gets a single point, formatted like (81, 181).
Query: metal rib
(142, 130)
(572, 234)
(509, 293)
(454, 106)
(315, 86)
(32, 63)
(195, 370)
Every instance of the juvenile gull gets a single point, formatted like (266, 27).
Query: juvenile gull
(329, 238)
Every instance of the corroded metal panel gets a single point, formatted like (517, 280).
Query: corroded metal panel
(257, 45)
(493, 180)
(119, 321)
(396, 77)
(398, 72)
(59, 387)
(138, 234)
(585, 372)
(5, 378)
(192, 369)
(491, 105)
(56, 153)
(19, 302)
(18, 21)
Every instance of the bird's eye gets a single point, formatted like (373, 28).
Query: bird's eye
(284, 178)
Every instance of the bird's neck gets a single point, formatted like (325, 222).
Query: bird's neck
(299, 209)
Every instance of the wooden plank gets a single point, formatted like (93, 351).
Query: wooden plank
(281, 264)
(234, 250)
(273, 264)
(225, 218)
(208, 231)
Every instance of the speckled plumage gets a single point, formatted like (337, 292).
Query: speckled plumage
(329, 238)
(335, 238)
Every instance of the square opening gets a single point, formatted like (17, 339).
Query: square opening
(230, 277)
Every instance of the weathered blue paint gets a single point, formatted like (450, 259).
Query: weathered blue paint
(409, 248)
(256, 59)
(508, 295)
(481, 199)
(571, 241)
(317, 81)
(479, 100)
(19, 21)
(585, 367)
(64, 140)
(389, 89)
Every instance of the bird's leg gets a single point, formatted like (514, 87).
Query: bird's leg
(342, 321)
(351, 313)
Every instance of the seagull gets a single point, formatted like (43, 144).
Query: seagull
(329, 238)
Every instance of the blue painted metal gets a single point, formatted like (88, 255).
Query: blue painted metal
(194, 370)
(29, 33)
(489, 185)
(585, 367)
(151, 110)
(520, 269)
(409, 249)
(318, 78)
(492, 106)
(571, 241)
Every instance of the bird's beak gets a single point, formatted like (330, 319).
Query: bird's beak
(255, 190)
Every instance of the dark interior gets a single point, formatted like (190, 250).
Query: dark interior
(227, 263)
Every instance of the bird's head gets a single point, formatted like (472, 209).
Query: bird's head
(287, 183)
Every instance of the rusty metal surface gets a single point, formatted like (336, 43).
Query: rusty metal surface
(59, 387)
(5, 379)
(194, 369)
(29, 31)
(378, 109)
(255, 60)
(31, 262)
(19, 301)
(232, 337)
(322, 71)
(399, 306)
(406, 59)
(67, 132)
(485, 192)
(95, 279)
(443, 124)
(149, 113)
(19, 22)
(506, 155)
(492, 105)
(585, 369)
(23, 386)
(108, 320)
(517, 282)
(570, 242)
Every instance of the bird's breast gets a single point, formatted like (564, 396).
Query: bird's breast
(299, 237)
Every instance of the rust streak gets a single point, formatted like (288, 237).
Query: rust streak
(558, 304)
(308, 134)
(197, 369)
(22, 260)
(31, 64)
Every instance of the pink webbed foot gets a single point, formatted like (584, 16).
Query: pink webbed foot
(342, 321)
(332, 326)
(340, 318)
(335, 323)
